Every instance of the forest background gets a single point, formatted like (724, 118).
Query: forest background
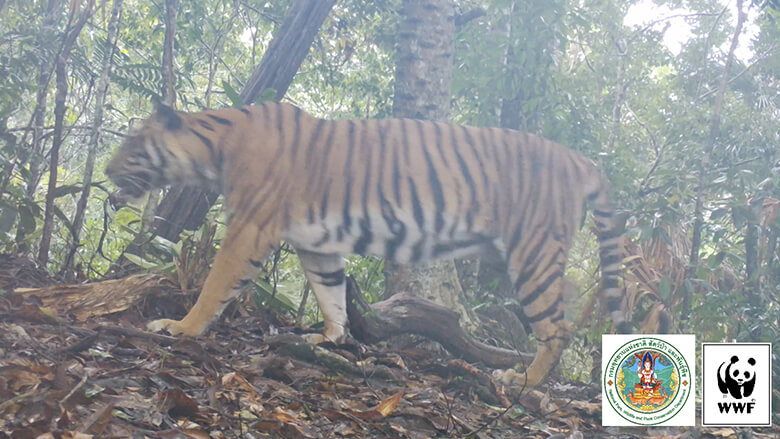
(677, 103)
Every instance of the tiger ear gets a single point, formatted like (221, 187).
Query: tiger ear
(166, 115)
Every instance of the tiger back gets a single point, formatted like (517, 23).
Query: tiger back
(407, 190)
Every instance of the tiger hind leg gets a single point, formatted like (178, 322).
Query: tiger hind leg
(542, 290)
(325, 273)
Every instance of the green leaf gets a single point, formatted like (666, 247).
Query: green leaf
(264, 293)
(660, 231)
(716, 259)
(269, 94)
(27, 219)
(664, 287)
(141, 262)
(7, 217)
(169, 247)
(231, 93)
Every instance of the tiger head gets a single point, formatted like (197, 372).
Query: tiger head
(165, 149)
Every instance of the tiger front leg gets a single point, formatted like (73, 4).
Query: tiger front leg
(242, 244)
(325, 273)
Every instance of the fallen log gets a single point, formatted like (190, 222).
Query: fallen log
(405, 313)
(98, 298)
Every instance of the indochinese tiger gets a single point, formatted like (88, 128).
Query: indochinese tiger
(407, 190)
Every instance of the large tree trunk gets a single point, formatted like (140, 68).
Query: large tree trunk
(186, 208)
(423, 74)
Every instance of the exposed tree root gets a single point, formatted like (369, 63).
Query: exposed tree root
(405, 313)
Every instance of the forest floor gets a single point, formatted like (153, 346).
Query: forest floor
(252, 377)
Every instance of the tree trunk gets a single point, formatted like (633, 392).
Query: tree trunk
(423, 74)
(95, 138)
(751, 287)
(168, 89)
(61, 73)
(44, 76)
(185, 207)
(704, 164)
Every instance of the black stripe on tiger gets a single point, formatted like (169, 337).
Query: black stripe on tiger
(609, 258)
(366, 237)
(220, 120)
(346, 222)
(397, 228)
(325, 238)
(451, 247)
(436, 189)
(610, 282)
(613, 302)
(542, 287)
(314, 140)
(205, 125)
(209, 145)
(396, 178)
(405, 139)
(297, 131)
(439, 142)
(548, 312)
(609, 234)
(330, 279)
(476, 153)
(607, 248)
(464, 170)
(324, 202)
(417, 208)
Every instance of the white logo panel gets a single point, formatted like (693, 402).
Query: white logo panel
(648, 380)
(736, 384)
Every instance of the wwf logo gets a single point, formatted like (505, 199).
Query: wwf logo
(737, 384)
(737, 378)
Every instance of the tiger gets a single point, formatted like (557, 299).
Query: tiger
(406, 190)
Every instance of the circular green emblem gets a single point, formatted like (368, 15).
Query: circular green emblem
(647, 381)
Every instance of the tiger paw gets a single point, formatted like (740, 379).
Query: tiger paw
(318, 338)
(174, 327)
(511, 378)
(523, 380)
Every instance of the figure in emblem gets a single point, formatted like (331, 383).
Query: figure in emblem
(646, 373)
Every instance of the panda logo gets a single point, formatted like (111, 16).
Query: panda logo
(738, 378)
